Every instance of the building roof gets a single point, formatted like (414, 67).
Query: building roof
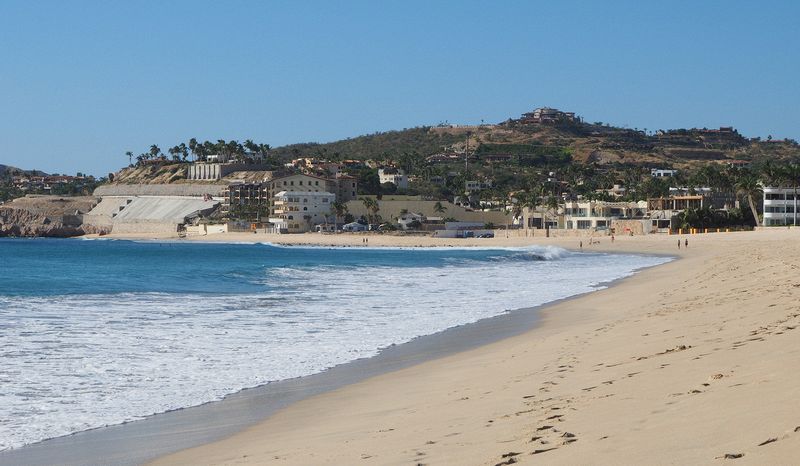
(299, 174)
(304, 193)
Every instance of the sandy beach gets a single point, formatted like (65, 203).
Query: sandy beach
(689, 362)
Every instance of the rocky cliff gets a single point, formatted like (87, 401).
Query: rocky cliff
(51, 216)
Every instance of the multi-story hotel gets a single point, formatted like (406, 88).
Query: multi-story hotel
(779, 206)
(299, 211)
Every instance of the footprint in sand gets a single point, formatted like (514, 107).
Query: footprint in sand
(768, 441)
(542, 450)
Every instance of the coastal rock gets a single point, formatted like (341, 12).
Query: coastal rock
(48, 216)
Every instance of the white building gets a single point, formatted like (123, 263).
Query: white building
(780, 207)
(599, 214)
(472, 186)
(395, 176)
(354, 226)
(405, 220)
(662, 173)
(300, 211)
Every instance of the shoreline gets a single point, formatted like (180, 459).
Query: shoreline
(651, 370)
(683, 326)
(251, 406)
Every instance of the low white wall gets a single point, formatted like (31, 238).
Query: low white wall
(177, 189)
(202, 230)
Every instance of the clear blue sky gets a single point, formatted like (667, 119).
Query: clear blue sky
(82, 82)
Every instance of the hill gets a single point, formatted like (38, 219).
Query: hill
(587, 143)
(421, 140)
(8, 171)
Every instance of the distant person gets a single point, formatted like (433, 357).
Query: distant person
(679, 243)
(612, 238)
(686, 243)
(580, 244)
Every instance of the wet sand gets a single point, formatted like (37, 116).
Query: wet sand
(690, 362)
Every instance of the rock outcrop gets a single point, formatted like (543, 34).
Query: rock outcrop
(50, 216)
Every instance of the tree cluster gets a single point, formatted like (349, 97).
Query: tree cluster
(248, 151)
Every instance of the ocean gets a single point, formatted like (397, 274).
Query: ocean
(101, 332)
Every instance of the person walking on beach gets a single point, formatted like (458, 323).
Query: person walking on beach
(612, 238)
(580, 244)
(686, 243)
(679, 243)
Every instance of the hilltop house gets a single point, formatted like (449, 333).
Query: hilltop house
(662, 172)
(396, 176)
(472, 186)
(547, 115)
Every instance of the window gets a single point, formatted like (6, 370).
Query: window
(291, 183)
(584, 224)
(324, 199)
(316, 183)
(305, 208)
(301, 182)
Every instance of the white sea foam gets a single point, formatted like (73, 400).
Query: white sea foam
(71, 363)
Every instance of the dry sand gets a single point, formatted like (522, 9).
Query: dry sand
(680, 364)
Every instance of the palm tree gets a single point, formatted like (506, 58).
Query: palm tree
(130, 157)
(552, 205)
(375, 208)
(175, 152)
(338, 209)
(531, 201)
(193, 148)
(250, 145)
(439, 208)
(371, 205)
(748, 186)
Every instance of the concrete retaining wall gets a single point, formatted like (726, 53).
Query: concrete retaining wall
(102, 215)
(177, 189)
(216, 171)
(206, 229)
(389, 210)
(638, 227)
(171, 209)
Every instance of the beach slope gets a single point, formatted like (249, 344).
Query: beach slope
(690, 362)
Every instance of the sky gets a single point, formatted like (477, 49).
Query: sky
(83, 82)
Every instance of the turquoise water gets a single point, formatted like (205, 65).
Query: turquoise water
(94, 333)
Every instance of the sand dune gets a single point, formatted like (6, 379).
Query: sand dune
(690, 362)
